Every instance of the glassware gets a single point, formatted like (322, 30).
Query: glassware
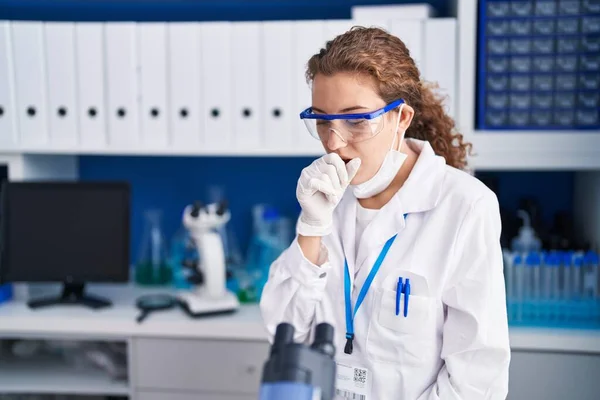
(153, 266)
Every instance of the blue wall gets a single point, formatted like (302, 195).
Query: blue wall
(170, 183)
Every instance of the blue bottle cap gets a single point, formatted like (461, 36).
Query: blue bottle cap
(270, 214)
(554, 259)
(517, 259)
(590, 258)
(533, 259)
(578, 261)
(567, 258)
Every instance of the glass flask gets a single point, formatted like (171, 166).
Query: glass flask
(153, 266)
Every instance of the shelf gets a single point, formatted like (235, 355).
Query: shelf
(555, 340)
(52, 377)
(291, 151)
(518, 150)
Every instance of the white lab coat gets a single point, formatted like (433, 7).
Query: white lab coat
(454, 343)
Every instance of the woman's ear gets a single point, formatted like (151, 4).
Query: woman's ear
(406, 116)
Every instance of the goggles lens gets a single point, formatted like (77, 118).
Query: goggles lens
(351, 128)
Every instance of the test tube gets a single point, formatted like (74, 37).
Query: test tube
(590, 278)
(546, 276)
(567, 266)
(519, 272)
(566, 274)
(533, 285)
(576, 289)
(576, 272)
(555, 289)
(590, 285)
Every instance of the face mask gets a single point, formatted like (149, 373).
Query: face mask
(387, 172)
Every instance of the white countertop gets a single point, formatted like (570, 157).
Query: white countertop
(119, 321)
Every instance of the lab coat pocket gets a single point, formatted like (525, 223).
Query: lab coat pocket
(398, 339)
(416, 320)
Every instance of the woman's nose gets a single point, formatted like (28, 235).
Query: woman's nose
(334, 140)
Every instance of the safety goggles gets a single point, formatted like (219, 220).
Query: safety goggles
(351, 128)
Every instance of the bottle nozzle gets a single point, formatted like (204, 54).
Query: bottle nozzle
(525, 216)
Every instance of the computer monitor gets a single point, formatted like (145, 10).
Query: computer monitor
(69, 232)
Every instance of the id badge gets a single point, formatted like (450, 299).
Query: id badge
(352, 382)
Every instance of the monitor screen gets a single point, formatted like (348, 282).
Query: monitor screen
(65, 232)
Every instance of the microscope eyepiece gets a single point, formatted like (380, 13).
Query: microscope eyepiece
(284, 335)
(324, 339)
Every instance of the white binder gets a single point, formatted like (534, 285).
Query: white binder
(8, 125)
(122, 85)
(91, 94)
(278, 84)
(216, 80)
(185, 70)
(246, 56)
(440, 58)
(404, 11)
(411, 32)
(308, 39)
(336, 27)
(152, 40)
(30, 83)
(59, 39)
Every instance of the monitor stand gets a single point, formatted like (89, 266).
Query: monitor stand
(72, 294)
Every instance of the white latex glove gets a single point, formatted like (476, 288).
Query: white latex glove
(320, 189)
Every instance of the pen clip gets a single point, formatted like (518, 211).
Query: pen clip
(406, 291)
(399, 289)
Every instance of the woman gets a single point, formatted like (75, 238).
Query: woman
(388, 216)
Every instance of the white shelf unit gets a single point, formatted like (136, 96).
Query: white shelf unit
(50, 377)
(512, 150)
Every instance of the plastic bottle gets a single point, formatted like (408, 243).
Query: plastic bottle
(526, 241)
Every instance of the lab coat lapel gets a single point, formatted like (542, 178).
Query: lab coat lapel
(346, 212)
(420, 193)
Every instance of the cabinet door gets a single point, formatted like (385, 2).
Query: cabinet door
(190, 396)
(553, 376)
(220, 366)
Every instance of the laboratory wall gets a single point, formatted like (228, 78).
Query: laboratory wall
(170, 183)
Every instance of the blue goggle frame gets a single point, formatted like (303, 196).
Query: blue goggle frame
(308, 114)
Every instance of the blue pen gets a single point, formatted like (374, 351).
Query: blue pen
(399, 289)
(406, 296)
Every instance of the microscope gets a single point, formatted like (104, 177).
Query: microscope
(295, 371)
(210, 293)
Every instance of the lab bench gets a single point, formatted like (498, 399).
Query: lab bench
(170, 356)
